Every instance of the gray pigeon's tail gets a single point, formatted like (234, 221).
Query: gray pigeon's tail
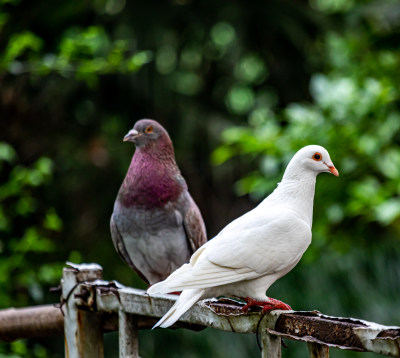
(186, 300)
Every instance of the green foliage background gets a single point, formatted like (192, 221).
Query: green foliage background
(240, 86)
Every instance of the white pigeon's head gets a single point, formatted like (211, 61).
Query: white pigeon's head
(311, 159)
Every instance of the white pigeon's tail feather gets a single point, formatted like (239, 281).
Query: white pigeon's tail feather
(186, 300)
(170, 284)
(158, 287)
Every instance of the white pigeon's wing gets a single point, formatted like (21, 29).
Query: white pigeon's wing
(268, 242)
(259, 244)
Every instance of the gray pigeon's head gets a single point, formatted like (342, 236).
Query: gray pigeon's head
(312, 158)
(148, 132)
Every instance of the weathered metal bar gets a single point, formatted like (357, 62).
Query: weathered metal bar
(48, 321)
(343, 333)
(223, 316)
(128, 336)
(83, 329)
(310, 327)
(318, 350)
(271, 345)
(30, 322)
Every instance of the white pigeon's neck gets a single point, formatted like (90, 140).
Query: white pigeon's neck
(297, 194)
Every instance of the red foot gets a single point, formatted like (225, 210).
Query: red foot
(268, 305)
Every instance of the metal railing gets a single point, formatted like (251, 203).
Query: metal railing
(91, 306)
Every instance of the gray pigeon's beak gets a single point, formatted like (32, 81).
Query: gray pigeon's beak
(131, 136)
(332, 169)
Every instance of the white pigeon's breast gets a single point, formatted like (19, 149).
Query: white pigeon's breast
(261, 242)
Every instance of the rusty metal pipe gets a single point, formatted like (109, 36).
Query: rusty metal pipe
(47, 321)
(30, 322)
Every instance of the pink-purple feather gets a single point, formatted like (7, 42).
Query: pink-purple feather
(150, 182)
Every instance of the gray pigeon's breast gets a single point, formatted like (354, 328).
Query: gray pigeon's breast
(154, 239)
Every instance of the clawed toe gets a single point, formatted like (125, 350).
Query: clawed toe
(268, 305)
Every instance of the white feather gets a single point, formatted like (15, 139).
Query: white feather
(187, 299)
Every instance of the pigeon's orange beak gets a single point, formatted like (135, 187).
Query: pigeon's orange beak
(332, 168)
(334, 171)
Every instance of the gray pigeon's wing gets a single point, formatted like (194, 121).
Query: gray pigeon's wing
(194, 225)
(120, 247)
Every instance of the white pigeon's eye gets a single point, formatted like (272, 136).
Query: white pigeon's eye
(149, 129)
(317, 157)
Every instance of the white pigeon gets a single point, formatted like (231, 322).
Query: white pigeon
(256, 249)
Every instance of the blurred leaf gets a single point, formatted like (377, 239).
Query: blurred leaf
(333, 6)
(7, 153)
(389, 163)
(32, 241)
(222, 34)
(25, 205)
(75, 256)
(251, 69)
(388, 211)
(166, 59)
(139, 59)
(222, 154)
(50, 273)
(19, 44)
(240, 99)
(187, 83)
(52, 221)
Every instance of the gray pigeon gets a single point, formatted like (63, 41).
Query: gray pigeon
(156, 225)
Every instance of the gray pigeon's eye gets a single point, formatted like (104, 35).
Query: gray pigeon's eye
(149, 129)
(317, 157)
